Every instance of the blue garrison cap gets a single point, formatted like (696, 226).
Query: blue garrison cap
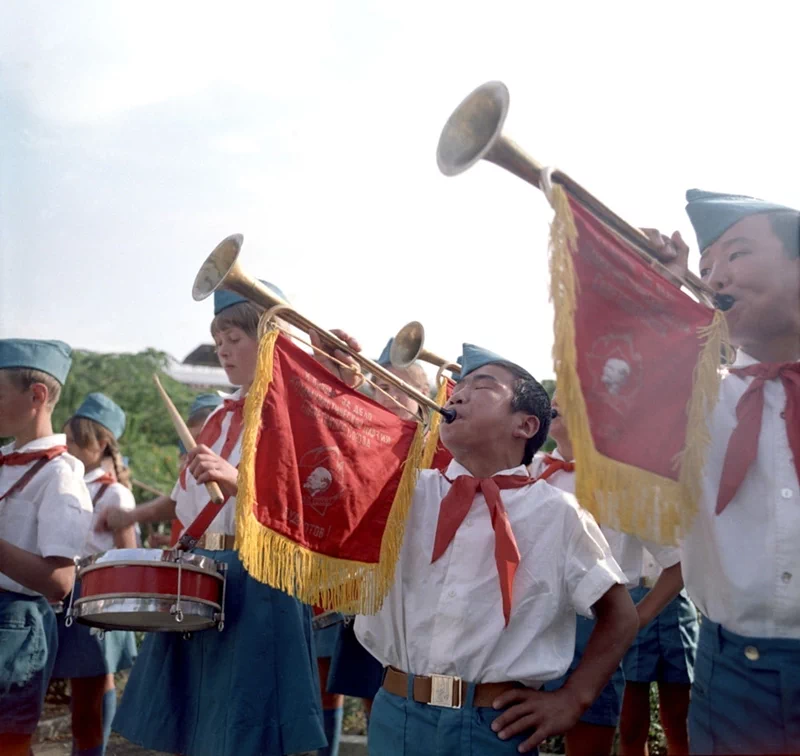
(223, 299)
(385, 359)
(474, 357)
(713, 214)
(101, 409)
(51, 357)
(204, 401)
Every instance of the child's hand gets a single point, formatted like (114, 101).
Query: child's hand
(545, 713)
(352, 377)
(673, 252)
(206, 466)
(158, 540)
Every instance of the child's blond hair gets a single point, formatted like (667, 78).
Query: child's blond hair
(23, 378)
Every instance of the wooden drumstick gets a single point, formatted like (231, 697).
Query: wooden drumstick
(185, 436)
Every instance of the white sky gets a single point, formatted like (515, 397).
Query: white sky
(134, 136)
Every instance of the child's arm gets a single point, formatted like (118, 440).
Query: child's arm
(125, 538)
(554, 713)
(50, 576)
(117, 519)
(119, 497)
(667, 587)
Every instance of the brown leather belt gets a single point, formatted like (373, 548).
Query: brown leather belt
(216, 542)
(444, 690)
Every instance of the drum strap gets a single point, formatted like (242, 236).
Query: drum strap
(25, 479)
(200, 524)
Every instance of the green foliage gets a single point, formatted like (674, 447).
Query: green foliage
(149, 440)
(550, 387)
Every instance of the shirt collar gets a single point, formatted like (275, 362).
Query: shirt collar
(93, 475)
(455, 469)
(556, 454)
(38, 444)
(744, 360)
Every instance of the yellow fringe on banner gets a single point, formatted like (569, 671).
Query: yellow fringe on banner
(619, 495)
(316, 579)
(432, 440)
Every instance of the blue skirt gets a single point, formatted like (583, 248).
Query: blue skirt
(354, 670)
(28, 647)
(251, 689)
(83, 652)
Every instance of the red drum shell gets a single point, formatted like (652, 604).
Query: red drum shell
(130, 594)
(154, 578)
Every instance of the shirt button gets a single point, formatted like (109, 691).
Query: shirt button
(786, 577)
(452, 594)
(751, 652)
(786, 493)
(783, 415)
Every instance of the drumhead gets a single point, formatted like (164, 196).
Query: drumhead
(145, 614)
(144, 556)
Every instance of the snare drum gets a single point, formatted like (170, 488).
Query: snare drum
(149, 589)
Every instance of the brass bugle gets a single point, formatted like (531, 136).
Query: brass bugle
(474, 132)
(408, 346)
(222, 270)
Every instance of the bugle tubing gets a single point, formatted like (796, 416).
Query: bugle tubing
(474, 132)
(223, 270)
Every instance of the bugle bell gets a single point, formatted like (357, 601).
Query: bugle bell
(474, 132)
(408, 346)
(223, 270)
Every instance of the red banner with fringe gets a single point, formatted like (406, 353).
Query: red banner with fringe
(326, 481)
(637, 364)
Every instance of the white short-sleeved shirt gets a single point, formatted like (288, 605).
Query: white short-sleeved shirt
(52, 514)
(447, 617)
(742, 567)
(115, 495)
(191, 501)
(628, 550)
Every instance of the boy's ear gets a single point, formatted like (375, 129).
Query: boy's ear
(527, 427)
(40, 394)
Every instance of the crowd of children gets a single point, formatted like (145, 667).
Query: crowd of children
(513, 615)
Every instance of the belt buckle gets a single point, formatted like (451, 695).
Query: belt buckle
(442, 691)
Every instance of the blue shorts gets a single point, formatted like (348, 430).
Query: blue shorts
(605, 711)
(28, 647)
(664, 650)
(325, 640)
(402, 727)
(746, 694)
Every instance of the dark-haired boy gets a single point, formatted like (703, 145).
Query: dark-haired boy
(493, 569)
